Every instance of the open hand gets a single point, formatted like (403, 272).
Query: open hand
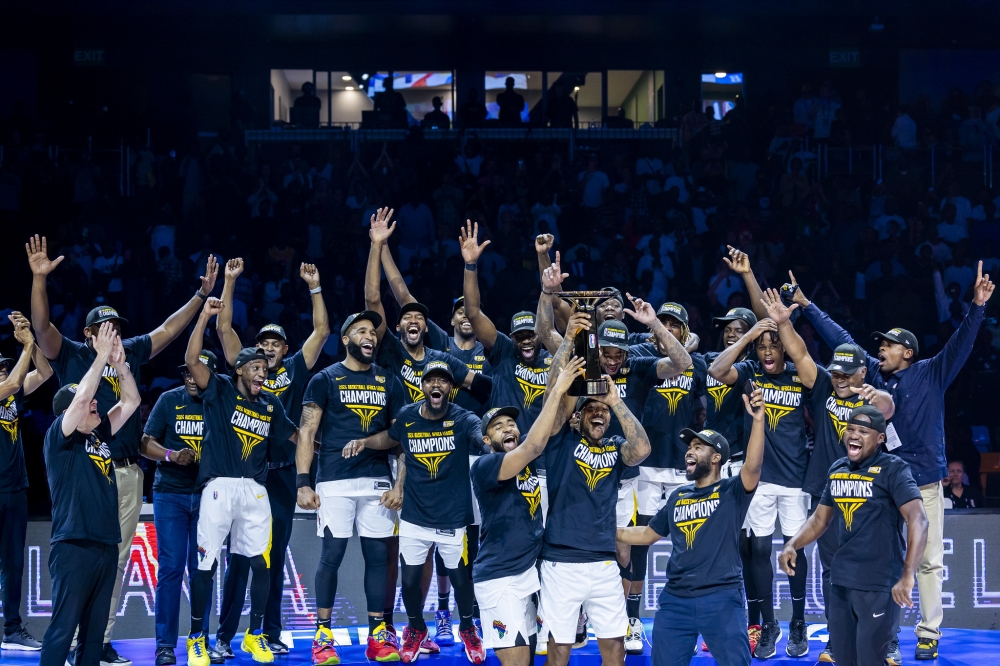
(38, 256)
(117, 358)
(760, 327)
(380, 228)
(353, 448)
(104, 342)
(468, 239)
(574, 368)
(211, 273)
(777, 310)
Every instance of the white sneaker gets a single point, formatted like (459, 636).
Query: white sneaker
(542, 638)
(634, 637)
(582, 637)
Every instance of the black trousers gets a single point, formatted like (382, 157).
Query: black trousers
(861, 625)
(13, 531)
(83, 575)
(281, 496)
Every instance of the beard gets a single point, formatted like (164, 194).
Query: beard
(701, 469)
(357, 354)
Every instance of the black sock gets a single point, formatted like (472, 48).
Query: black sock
(465, 622)
(416, 622)
(320, 622)
(443, 600)
(475, 609)
(753, 612)
(632, 604)
(373, 622)
(387, 617)
(196, 622)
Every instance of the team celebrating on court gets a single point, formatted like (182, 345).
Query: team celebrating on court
(468, 452)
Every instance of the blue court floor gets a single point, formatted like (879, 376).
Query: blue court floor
(961, 647)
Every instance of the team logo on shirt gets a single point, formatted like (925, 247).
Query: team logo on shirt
(532, 382)
(596, 462)
(252, 428)
(779, 400)
(191, 429)
(500, 627)
(430, 448)
(282, 380)
(100, 454)
(717, 390)
(840, 411)
(365, 400)
(676, 388)
(411, 380)
(849, 491)
(8, 417)
(691, 514)
(111, 376)
(528, 484)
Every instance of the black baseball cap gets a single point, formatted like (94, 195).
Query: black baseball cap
(675, 310)
(103, 313)
(716, 440)
(272, 330)
(847, 358)
(437, 368)
(512, 412)
(875, 420)
(208, 358)
(365, 315)
(457, 303)
(63, 398)
(248, 354)
(612, 333)
(414, 307)
(522, 321)
(900, 335)
(736, 313)
(617, 294)
(583, 400)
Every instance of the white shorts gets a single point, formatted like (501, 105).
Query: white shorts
(789, 505)
(627, 505)
(731, 469)
(507, 609)
(416, 541)
(344, 504)
(595, 585)
(239, 509)
(544, 492)
(655, 486)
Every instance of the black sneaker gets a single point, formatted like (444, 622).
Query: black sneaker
(215, 657)
(223, 648)
(20, 639)
(165, 656)
(276, 646)
(927, 649)
(770, 634)
(798, 643)
(893, 656)
(110, 657)
(71, 658)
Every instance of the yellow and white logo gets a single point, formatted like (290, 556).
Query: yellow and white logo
(282, 380)
(532, 382)
(100, 455)
(365, 400)
(530, 489)
(191, 429)
(850, 491)
(431, 448)
(8, 418)
(596, 462)
(250, 427)
(673, 390)
(691, 514)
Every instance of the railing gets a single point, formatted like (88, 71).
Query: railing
(869, 161)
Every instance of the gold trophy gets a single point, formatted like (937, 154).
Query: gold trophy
(585, 345)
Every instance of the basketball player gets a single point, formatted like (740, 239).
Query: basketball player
(287, 376)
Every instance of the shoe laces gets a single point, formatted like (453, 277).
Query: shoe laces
(261, 641)
(381, 634)
(471, 635)
(925, 643)
(411, 639)
(197, 646)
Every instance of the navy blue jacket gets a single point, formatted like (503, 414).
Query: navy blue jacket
(918, 392)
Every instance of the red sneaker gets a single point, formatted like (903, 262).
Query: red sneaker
(380, 646)
(474, 649)
(753, 632)
(393, 638)
(427, 646)
(411, 644)
(323, 651)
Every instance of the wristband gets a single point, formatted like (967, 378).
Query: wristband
(471, 267)
(316, 290)
(302, 481)
(201, 295)
(167, 456)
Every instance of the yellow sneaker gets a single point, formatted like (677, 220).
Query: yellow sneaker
(197, 651)
(256, 646)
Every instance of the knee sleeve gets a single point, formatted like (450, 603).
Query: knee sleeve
(465, 597)
(375, 552)
(330, 558)
(260, 584)
(412, 598)
(625, 572)
(439, 568)
(763, 574)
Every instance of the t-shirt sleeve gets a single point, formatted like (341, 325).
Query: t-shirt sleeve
(474, 434)
(60, 363)
(503, 349)
(700, 374)
(396, 429)
(299, 367)
(459, 369)
(436, 337)
(215, 387)
(660, 523)
(826, 499)
(821, 390)
(644, 371)
(104, 430)
(744, 371)
(142, 348)
(316, 391)
(396, 399)
(389, 352)
(902, 486)
(486, 471)
(283, 428)
(620, 443)
(156, 424)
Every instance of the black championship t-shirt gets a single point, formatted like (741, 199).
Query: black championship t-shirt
(438, 493)
(725, 410)
(672, 406)
(474, 359)
(704, 528)
(82, 484)
(583, 483)
(239, 432)
(288, 383)
(13, 474)
(71, 365)
(510, 536)
(633, 381)
(519, 385)
(177, 421)
(866, 498)
(786, 451)
(355, 405)
(393, 357)
(830, 415)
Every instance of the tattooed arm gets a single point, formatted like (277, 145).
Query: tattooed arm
(636, 447)
(308, 426)
(580, 321)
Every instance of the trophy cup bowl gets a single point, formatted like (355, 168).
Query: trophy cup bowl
(585, 345)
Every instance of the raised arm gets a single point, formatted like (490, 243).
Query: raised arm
(129, 400)
(636, 447)
(175, 324)
(880, 400)
(566, 405)
(396, 281)
(199, 371)
(753, 460)
(49, 339)
(17, 375)
(229, 338)
(313, 345)
(916, 540)
(312, 415)
(946, 364)
(485, 331)
(548, 304)
(85, 390)
(793, 343)
(379, 232)
(676, 359)
(563, 310)
(722, 367)
(739, 263)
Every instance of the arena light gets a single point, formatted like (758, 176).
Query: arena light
(576, 89)
(720, 75)
(346, 77)
(349, 88)
(364, 77)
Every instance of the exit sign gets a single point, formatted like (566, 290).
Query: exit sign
(88, 58)
(845, 58)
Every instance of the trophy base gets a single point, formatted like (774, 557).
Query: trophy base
(588, 387)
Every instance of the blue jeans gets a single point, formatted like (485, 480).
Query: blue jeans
(176, 519)
(721, 619)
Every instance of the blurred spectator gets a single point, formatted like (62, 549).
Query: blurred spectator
(593, 184)
(472, 113)
(957, 489)
(436, 119)
(904, 130)
(416, 230)
(561, 109)
(511, 104)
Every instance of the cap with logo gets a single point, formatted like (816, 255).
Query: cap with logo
(522, 321)
(273, 331)
(208, 358)
(248, 354)
(414, 307)
(617, 294)
(675, 310)
(875, 419)
(612, 333)
(496, 412)
(741, 314)
(848, 358)
(437, 368)
(103, 313)
(899, 335)
(365, 315)
(710, 437)
(63, 398)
